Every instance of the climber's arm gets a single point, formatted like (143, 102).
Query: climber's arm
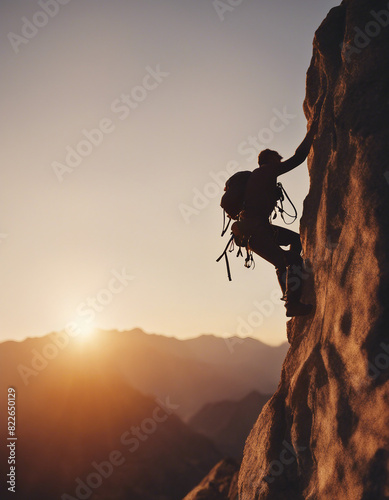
(301, 152)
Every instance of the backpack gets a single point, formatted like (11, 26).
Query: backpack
(232, 203)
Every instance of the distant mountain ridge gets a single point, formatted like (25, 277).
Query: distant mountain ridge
(111, 405)
(195, 372)
(83, 432)
(228, 423)
(207, 368)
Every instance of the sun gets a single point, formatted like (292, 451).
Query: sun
(85, 332)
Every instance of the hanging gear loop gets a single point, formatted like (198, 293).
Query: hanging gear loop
(230, 247)
(280, 208)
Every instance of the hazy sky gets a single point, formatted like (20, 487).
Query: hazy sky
(121, 227)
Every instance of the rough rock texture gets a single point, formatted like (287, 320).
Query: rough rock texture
(325, 434)
(220, 484)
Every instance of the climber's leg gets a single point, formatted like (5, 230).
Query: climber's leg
(285, 237)
(262, 242)
(289, 264)
(294, 287)
(295, 272)
(281, 276)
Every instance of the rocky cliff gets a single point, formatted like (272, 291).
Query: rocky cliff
(220, 484)
(324, 434)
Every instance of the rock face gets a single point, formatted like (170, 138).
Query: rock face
(220, 484)
(324, 434)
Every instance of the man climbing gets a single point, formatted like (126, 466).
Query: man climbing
(255, 230)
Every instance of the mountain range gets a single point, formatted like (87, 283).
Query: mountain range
(105, 418)
(228, 423)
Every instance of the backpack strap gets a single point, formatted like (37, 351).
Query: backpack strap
(229, 248)
(225, 227)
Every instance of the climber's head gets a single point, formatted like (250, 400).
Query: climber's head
(268, 156)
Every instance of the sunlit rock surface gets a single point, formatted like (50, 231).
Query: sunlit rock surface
(220, 484)
(325, 434)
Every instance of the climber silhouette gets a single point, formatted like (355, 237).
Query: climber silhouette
(265, 239)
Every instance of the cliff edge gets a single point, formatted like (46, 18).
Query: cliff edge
(324, 434)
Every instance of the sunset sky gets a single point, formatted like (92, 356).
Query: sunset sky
(120, 227)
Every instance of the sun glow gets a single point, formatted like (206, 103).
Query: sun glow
(85, 332)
